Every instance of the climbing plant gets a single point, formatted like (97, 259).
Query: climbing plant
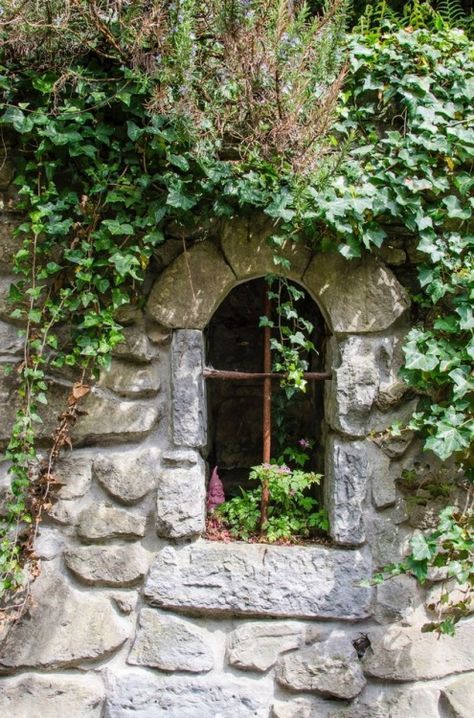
(127, 117)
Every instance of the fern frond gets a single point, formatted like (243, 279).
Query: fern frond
(452, 12)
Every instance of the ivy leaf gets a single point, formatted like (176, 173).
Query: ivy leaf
(420, 548)
(116, 227)
(16, 117)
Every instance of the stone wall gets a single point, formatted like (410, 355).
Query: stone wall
(135, 614)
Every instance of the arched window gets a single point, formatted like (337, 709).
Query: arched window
(235, 344)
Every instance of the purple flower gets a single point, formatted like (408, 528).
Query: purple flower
(304, 443)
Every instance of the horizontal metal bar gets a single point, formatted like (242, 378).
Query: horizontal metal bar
(223, 374)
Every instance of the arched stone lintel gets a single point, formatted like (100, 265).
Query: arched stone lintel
(355, 296)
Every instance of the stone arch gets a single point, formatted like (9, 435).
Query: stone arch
(189, 291)
(364, 354)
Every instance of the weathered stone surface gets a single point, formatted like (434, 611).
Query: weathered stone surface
(189, 411)
(49, 543)
(386, 538)
(397, 599)
(134, 694)
(11, 342)
(99, 521)
(384, 492)
(370, 302)
(191, 288)
(129, 380)
(460, 696)
(170, 644)
(107, 566)
(55, 696)
(346, 486)
(364, 368)
(64, 629)
(240, 579)
(381, 702)
(406, 654)
(112, 420)
(330, 668)
(128, 476)
(136, 346)
(75, 473)
(297, 708)
(5, 307)
(180, 501)
(247, 250)
(256, 646)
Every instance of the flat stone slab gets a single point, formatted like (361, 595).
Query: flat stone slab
(138, 694)
(49, 696)
(257, 579)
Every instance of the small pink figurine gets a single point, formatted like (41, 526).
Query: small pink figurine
(215, 492)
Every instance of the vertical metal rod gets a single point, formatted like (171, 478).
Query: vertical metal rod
(267, 407)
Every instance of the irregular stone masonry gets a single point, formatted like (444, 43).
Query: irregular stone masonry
(135, 616)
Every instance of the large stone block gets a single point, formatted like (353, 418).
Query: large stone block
(132, 381)
(99, 521)
(256, 646)
(189, 411)
(65, 628)
(330, 668)
(136, 346)
(407, 654)
(134, 694)
(460, 696)
(189, 291)
(180, 503)
(247, 249)
(170, 644)
(107, 566)
(370, 302)
(365, 368)
(128, 475)
(257, 579)
(111, 420)
(32, 695)
(346, 487)
(74, 471)
(384, 702)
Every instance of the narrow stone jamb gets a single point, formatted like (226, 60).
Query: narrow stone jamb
(189, 411)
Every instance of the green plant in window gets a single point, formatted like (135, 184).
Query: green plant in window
(292, 513)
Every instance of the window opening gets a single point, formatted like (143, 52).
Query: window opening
(250, 421)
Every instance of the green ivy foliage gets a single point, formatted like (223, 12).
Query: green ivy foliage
(105, 164)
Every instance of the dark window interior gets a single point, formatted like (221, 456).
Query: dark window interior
(235, 342)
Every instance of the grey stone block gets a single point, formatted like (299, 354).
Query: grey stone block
(180, 504)
(107, 566)
(256, 646)
(189, 411)
(55, 696)
(99, 521)
(128, 475)
(137, 694)
(170, 644)
(65, 628)
(257, 579)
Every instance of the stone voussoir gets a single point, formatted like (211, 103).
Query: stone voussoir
(256, 579)
(189, 291)
(370, 302)
(247, 249)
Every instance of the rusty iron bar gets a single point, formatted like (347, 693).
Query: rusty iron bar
(228, 375)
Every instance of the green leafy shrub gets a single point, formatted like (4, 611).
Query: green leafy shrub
(292, 512)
